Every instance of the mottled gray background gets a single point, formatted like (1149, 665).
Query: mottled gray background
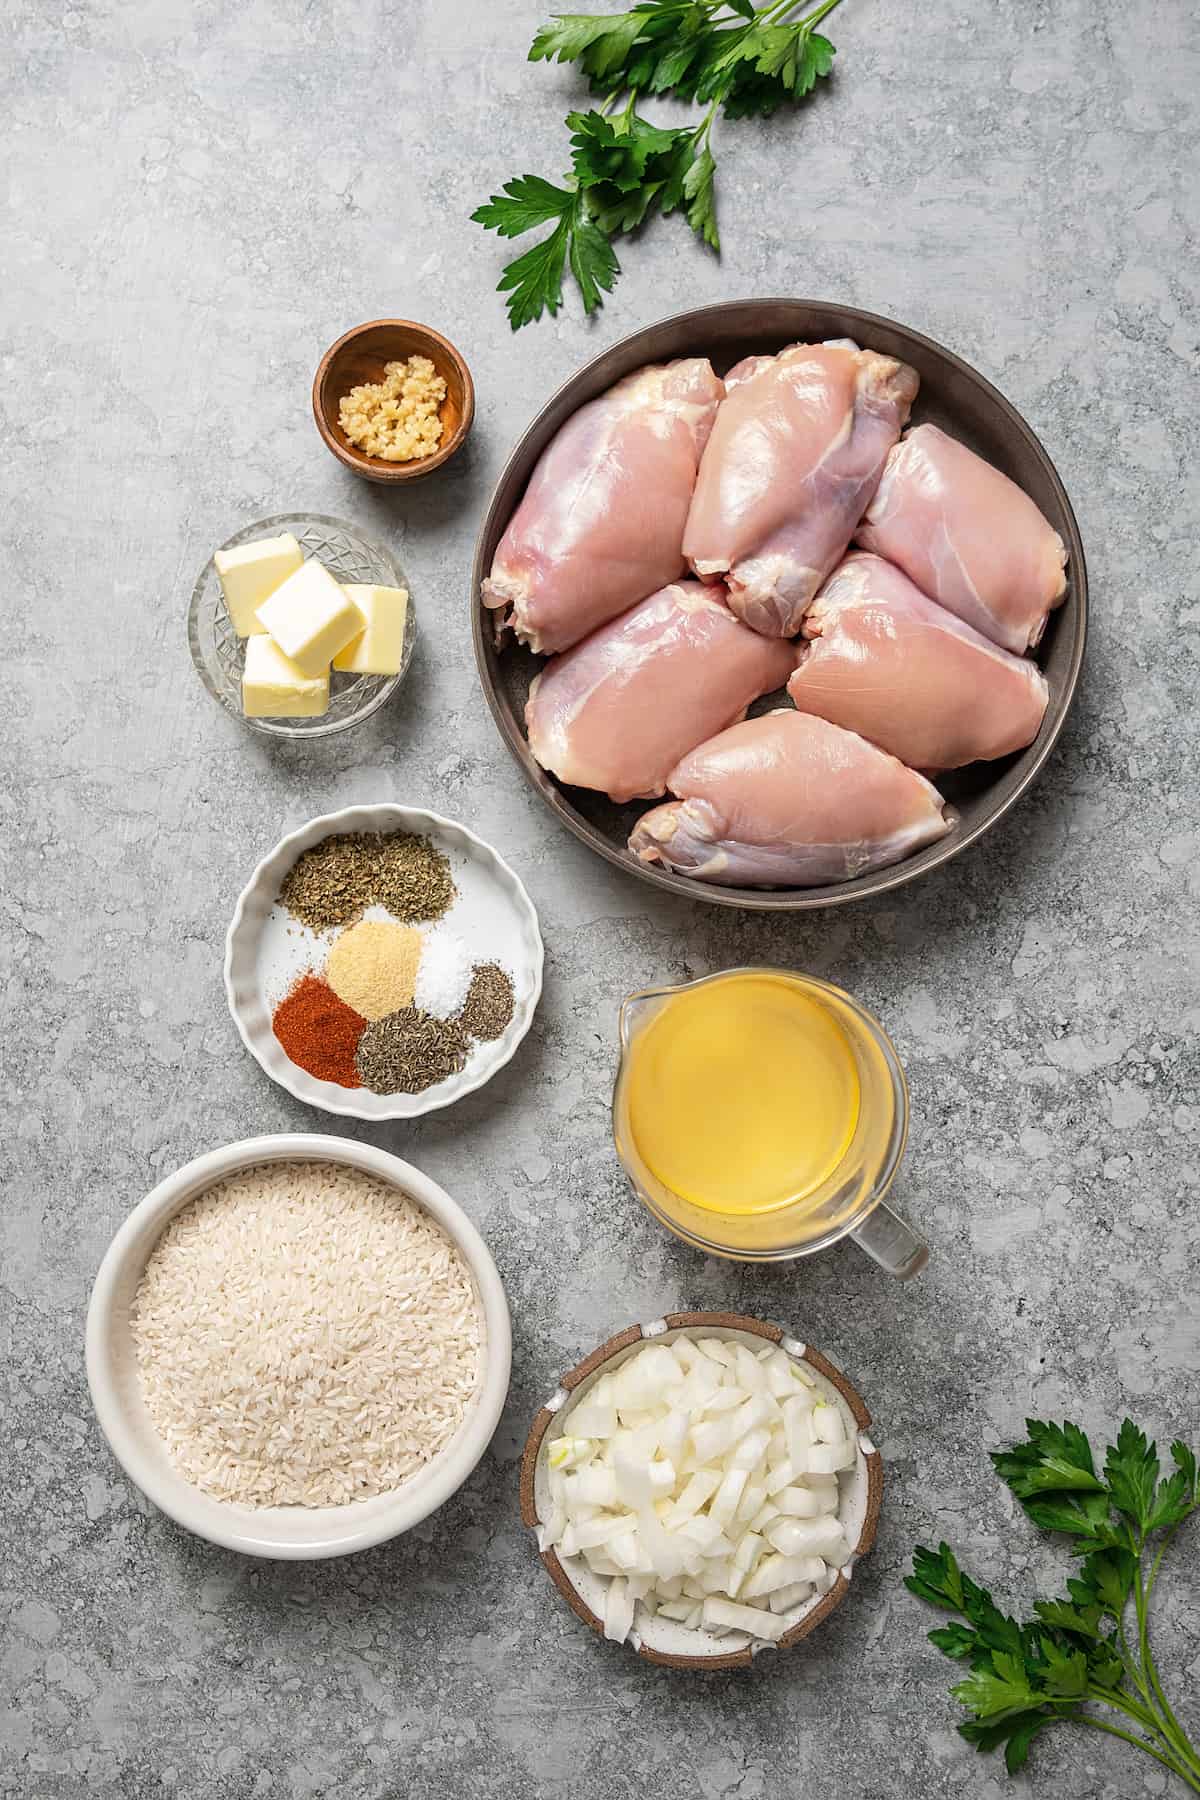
(205, 195)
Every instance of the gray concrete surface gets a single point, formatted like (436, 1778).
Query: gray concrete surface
(205, 195)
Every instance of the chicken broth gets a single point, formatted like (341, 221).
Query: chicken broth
(743, 1095)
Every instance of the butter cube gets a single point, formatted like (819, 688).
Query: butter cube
(379, 648)
(251, 573)
(274, 688)
(311, 618)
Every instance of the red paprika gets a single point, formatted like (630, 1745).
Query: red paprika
(319, 1032)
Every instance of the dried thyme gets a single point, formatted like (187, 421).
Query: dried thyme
(331, 883)
(414, 880)
(410, 1051)
(488, 1007)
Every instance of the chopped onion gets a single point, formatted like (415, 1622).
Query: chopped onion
(618, 1611)
(595, 1486)
(568, 1452)
(723, 1400)
(799, 1502)
(705, 1530)
(830, 1459)
(822, 1537)
(781, 1571)
(594, 1420)
(783, 1599)
(752, 1450)
(724, 1502)
(798, 1427)
(825, 1487)
(700, 1486)
(724, 1614)
(623, 1549)
(700, 1481)
(752, 1500)
(600, 1564)
(827, 1424)
(782, 1476)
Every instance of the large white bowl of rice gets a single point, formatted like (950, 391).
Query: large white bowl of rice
(298, 1346)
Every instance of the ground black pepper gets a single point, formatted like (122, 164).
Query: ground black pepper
(488, 1007)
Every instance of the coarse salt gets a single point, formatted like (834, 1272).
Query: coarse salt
(443, 975)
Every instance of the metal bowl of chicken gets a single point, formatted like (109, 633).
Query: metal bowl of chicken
(953, 396)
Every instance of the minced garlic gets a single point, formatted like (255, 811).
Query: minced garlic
(396, 419)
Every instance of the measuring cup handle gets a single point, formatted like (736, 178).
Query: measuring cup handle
(894, 1245)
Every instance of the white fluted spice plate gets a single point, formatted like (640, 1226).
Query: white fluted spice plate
(267, 949)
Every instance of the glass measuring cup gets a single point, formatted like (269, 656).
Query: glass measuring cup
(849, 1201)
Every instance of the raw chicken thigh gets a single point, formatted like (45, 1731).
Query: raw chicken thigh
(617, 711)
(793, 459)
(788, 800)
(889, 663)
(968, 536)
(601, 523)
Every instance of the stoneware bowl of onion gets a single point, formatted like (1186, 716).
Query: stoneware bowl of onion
(288, 1533)
(702, 1488)
(266, 950)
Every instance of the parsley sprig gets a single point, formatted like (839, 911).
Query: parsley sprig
(1076, 1654)
(733, 58)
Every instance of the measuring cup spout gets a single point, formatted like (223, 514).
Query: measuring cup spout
(635, 1010)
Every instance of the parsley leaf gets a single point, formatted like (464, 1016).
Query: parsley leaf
(602, 43)
(1055, 1459)
(736, 58)
(522, 204)
(1025, 1729)
(936, 1578)
(1087, 1520)
(1131, 1469)
(630, 168)
(702, 204)
(955, 1641)
(533, 281)
(1185, 1460)
(593, 263)
(1063, 1672)
(1082, 1621)
(1105, 1580)
(1053, 1475)
(1179, 1494)
(1002, 1688)
(760, 69)
(1075, 1653)
(620, 153)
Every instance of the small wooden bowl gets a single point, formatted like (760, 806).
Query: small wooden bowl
(863, 1509)
(359, 356)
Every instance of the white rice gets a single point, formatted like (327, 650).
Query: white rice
(306, 1335)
